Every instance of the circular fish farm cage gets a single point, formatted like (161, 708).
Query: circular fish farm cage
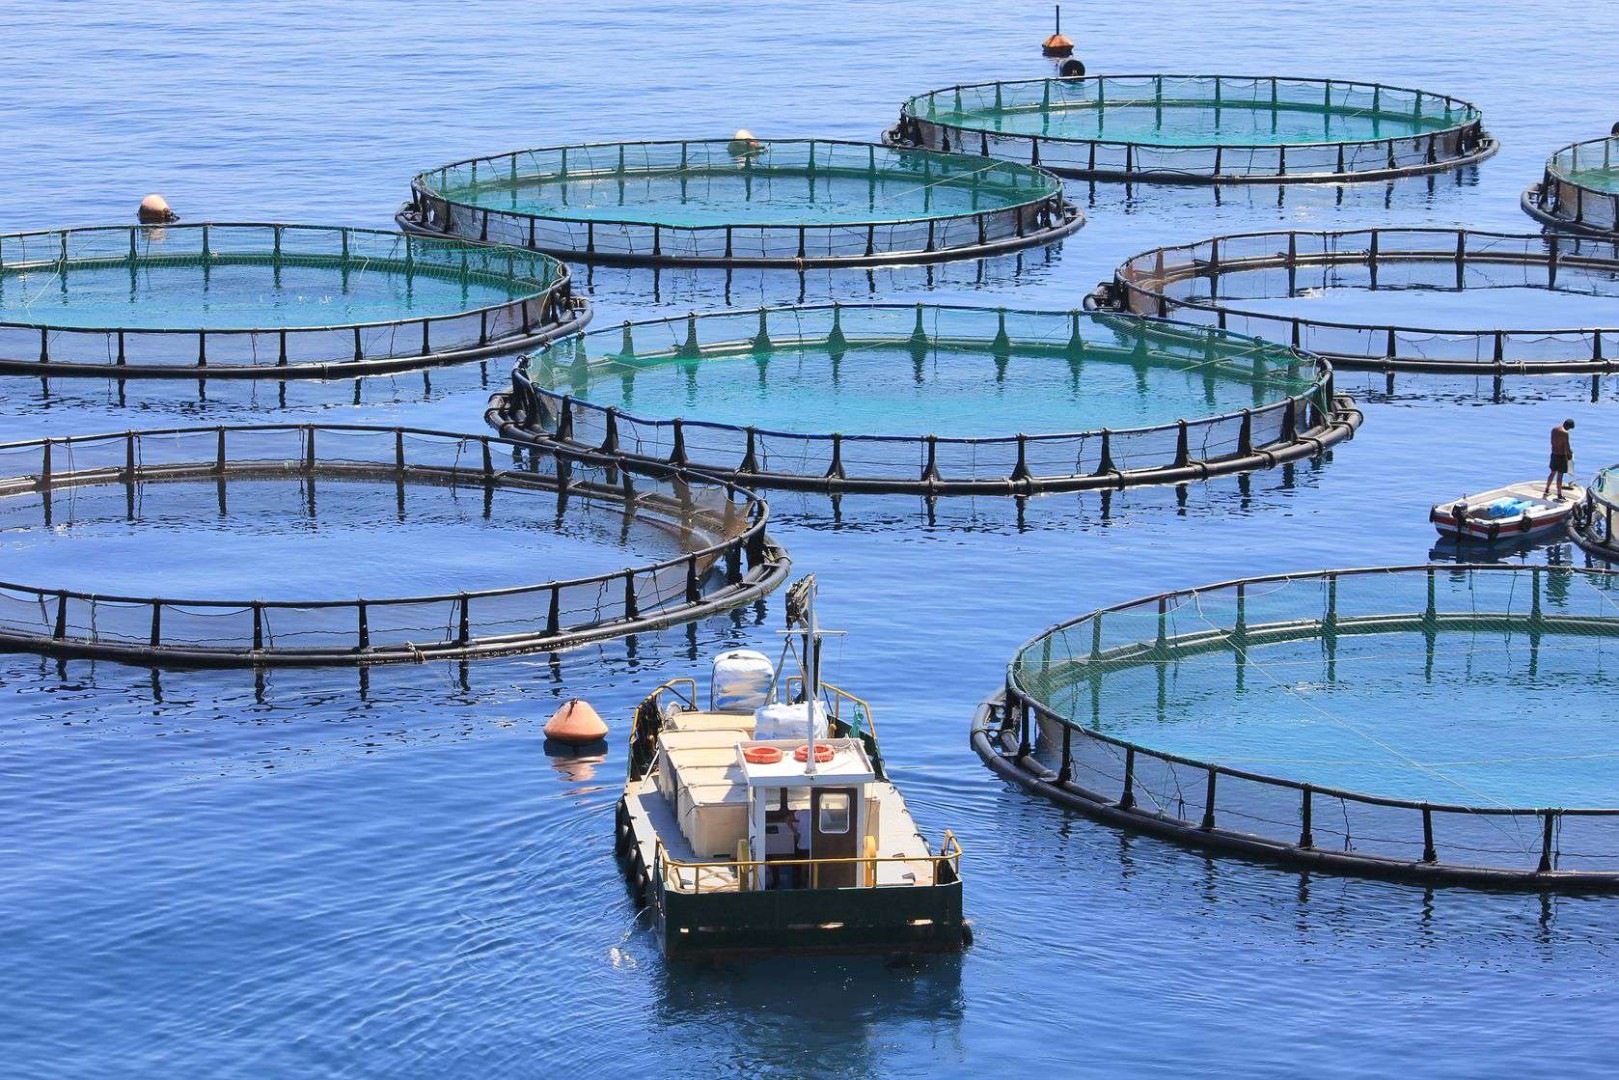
(1256, 283)
(1200, 129)
(1426, 723)
(198, 480)
(926, 399)
(1592, 522)
(267, 302)
(1580, 189)
(718, 202)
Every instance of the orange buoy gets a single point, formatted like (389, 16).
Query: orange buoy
(1057, 46)
(761, 755)
(154, 210)
(576, 724)
(823, 753)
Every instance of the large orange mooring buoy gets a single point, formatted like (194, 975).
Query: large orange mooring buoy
(576, 724)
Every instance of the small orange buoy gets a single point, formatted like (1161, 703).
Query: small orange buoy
(823, 753)
(576, 724)
(1057, 46)
(154, 210)
(762, 755)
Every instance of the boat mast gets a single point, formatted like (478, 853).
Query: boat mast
(812, 669)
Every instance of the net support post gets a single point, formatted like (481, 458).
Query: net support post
(632, 609)
(553, 613)
(1306, 813)
(1207, 824)
(835, 470)
(1105, 464)
(694, 592)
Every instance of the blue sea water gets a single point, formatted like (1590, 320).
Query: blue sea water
(324, 874)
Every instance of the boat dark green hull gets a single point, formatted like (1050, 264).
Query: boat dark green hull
(892, 919)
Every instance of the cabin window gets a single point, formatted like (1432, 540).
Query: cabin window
(834, 812)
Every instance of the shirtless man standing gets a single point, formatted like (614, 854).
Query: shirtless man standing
(1562, 457)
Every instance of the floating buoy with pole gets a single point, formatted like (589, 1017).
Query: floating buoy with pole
(1057, 47)
(576, 724)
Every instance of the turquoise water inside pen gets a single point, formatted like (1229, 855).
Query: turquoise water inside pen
(1481, 719)
(237, 296)
(885, 389)
(715, 198)
(1595, 179)
(327, 874)
(1235, 124)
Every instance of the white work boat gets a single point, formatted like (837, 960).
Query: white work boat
(764, 822)
(1515, 512)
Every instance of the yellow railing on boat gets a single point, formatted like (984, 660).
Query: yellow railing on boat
(746, 872)
(836, 697)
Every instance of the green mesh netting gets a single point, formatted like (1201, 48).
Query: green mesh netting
(1199, 127)
(1482, 687)
(698, 184)
(900, 370)
(907, 396)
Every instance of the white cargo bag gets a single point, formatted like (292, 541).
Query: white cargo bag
(740, 681)
(779, 721)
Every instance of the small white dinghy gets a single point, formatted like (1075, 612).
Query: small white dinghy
(1514, 512)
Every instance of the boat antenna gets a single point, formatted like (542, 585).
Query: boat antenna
(801, 613)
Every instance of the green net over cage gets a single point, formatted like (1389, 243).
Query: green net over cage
(743, 202)
(929, 397)
(1580, 189)
(1451, 718)
(277, 301)
(1395, 299)
(95, 523)
(1200, 128)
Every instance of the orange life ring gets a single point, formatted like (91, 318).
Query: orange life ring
(762, 755)
(823, 753)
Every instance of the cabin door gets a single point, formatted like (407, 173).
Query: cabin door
(833, 836)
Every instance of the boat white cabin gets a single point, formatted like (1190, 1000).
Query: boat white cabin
(763, 820)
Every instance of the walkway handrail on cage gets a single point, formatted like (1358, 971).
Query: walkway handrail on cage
(1461, 141)
(1033, 208)
(1112, 778)
(1183, 283)
(735, 560)
(1298, 425)
(542, 305)
(1566, 199)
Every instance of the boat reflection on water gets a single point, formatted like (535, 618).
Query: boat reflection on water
(1557, 549)
(850, 1015)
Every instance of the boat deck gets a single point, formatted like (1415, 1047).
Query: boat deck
(652, 818)
(1527, 491)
